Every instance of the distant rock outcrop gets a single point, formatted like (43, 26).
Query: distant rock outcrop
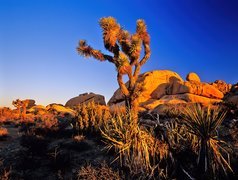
(86, 98)
(232, 95)
(167, 87)
(60, 109)
(38, 109)
(222, 86)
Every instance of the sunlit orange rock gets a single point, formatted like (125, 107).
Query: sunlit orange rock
(155, 84)
(196, 88)
(167, 87)
(193, 77)
(222, 86)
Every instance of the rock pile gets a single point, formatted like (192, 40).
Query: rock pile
(167, 87)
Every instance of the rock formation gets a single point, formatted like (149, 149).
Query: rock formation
(232, 95)
(86, 98)
(60, 109)
(193, 77)
(222, 86)
(167, 87)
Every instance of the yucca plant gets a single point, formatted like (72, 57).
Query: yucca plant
(204, 122)
(137, 148)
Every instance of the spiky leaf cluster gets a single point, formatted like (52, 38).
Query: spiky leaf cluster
(118, 40)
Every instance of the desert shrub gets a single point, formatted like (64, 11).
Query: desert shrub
(102, 172)
(28, 119)
(90, 117)
(137, 148)
(48, 120)
(7, 115)
(203, 122)
(3, 132)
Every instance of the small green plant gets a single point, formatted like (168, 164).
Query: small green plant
(137, 148)
(203, 122)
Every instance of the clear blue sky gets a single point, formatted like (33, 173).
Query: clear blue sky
(38, 40)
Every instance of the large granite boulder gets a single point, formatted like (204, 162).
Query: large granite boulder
(155, 85)
(167, 87)
(196, 88)
(86, 98)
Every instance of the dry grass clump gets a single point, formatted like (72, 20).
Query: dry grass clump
(91, 116)
(98, 173)
(3, 132)
(78, 138)
(203, 122)
(137, 148)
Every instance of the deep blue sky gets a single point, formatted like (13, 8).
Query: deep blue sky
(38, 40)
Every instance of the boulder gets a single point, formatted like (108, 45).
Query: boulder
(232, 96)
(155, 85)
(178, 99)
(196, 88)
(60, 109)
(193, 77)
(222, 86)
(86, 98)
(38, 109)
(187, 97)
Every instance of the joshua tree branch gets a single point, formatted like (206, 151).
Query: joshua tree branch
(88, 51)
(122, 85)
(147, 54)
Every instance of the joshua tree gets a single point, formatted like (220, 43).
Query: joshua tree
(21, 107)
(126, 50)
(17, 104)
